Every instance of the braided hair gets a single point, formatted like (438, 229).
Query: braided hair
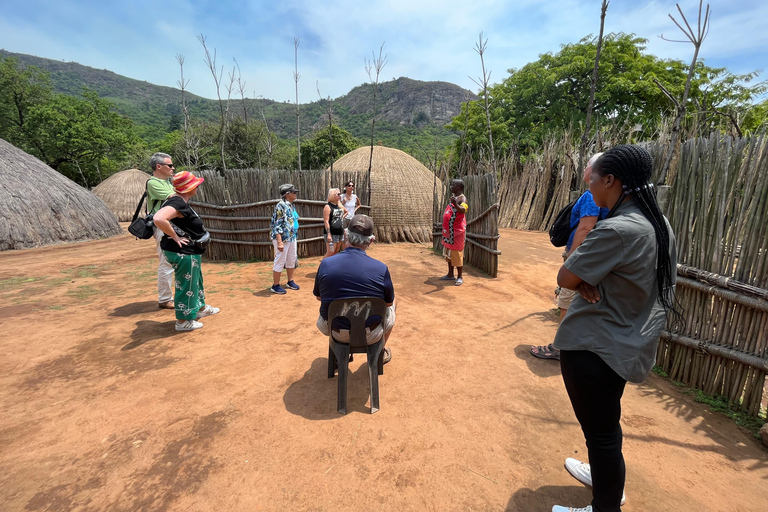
(633, 165)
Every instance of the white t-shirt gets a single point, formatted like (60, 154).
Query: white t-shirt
(350, 204)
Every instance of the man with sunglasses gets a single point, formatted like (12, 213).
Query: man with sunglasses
(159, 188)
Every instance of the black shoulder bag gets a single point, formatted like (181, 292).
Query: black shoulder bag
(142, 227)
(561, 229)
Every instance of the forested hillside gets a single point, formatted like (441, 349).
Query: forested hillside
(411, 113)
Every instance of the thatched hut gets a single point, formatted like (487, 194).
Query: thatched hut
(39, 206)
(122, 191)
(401, 192)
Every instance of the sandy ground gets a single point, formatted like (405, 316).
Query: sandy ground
(105, 407)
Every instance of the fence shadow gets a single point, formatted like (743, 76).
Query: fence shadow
(685, 407)
(314, 395)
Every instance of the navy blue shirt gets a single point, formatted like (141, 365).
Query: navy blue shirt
(349, 274)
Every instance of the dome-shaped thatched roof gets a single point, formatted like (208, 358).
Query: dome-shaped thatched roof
(401, 192)
(39, 206)
(121, 192)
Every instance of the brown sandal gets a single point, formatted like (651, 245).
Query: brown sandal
(546, 352)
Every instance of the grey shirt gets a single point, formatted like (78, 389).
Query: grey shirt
(619, 257)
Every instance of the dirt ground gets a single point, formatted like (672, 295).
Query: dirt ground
(105, 407)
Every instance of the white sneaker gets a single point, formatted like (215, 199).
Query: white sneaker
(582, 472)
(188, 325)
(559, 508)
(207, 311)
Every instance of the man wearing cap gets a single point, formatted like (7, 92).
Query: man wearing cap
(353, 273)
(283, 235)
(159, 189)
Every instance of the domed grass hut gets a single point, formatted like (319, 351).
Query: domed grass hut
(121, 192)
(39, 206)
(401, 192)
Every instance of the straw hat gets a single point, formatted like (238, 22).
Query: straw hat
(185, 182)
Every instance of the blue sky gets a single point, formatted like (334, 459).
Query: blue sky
(424, 39)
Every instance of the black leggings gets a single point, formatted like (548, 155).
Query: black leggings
(595, 391)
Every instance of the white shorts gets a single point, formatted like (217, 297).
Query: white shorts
(371, 336)
(286, 258)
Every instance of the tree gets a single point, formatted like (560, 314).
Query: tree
(327, 145)
(75, 136)
(20, 90)
(551, 94)
(83, 138)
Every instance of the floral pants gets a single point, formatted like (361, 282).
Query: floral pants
(190, 295)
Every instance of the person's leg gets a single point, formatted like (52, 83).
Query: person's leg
(164, 275)
(291, 249)
(595, 392)
(457, 258)
(447, 256)
(182, 266)
(197, 301)
(278, 264)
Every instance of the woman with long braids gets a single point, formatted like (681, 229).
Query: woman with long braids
(624, 272)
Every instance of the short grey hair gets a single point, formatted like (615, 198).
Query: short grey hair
(358, 240)
(158, 159)
(594, 159)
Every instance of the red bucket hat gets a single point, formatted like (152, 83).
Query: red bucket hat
(185, 182)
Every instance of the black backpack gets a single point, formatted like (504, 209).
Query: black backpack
(561, 229)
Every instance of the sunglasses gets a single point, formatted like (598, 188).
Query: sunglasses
(170, 166)
(347, 186)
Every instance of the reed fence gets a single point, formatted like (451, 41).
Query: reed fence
(236, 207)
(718, 207)
(482, 235)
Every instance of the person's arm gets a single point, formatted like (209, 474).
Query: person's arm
(162, 220)
(326, 221)
(276, 228)
(582, 230)
(357, 202)
(460, 203)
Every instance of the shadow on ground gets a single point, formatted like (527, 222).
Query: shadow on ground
(150, 330)
(544, 498)
(314, 395)
(537, 366)
(135, 308)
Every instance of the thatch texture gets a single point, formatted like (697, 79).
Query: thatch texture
(39, 206)
(401, 192)
(121, 192)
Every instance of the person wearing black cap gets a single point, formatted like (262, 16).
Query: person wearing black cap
(283, 235)
(353, 273)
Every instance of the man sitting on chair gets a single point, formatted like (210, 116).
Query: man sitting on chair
(352, 273)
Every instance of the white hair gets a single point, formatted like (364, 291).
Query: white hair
(358, 240)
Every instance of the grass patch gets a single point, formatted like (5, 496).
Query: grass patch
(17, 282)
(83, 293)
(84, 272)
(55, 308)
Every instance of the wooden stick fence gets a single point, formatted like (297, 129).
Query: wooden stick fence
(718, 207)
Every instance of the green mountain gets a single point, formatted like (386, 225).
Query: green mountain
(411, 114)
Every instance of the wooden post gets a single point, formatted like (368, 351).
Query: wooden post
(662, 197)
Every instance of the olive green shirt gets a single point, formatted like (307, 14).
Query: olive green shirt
(618, 257)
(157, 192)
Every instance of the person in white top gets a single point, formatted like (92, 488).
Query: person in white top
(350, 201)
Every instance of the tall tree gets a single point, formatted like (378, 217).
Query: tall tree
(588, 121)
(373, 68)
(296, 77)
(695, 38)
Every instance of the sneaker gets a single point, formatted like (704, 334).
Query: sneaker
(188, 325)
(459, 282)
(560, 508)
(165, 305)
(276, 288)
(293, 286)
(207, 311)
(582, 472)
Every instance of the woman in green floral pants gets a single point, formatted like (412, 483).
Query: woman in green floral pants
(181, 245)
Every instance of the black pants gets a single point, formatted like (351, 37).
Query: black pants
(595, 391)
